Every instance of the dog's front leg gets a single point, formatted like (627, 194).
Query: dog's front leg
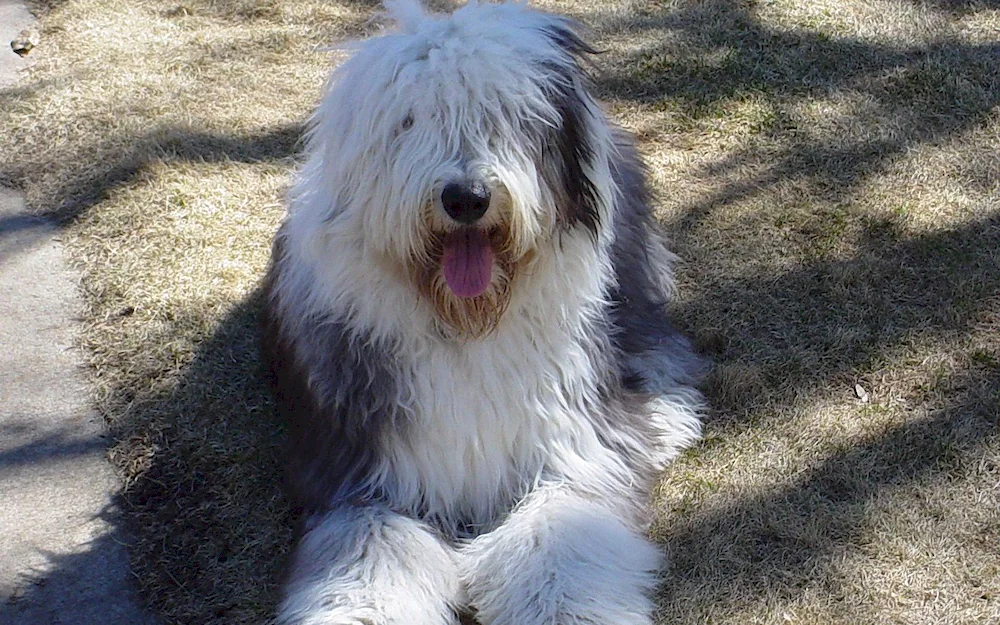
(559, 559)
(370, 566)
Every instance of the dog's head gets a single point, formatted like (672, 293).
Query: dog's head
(458, 147)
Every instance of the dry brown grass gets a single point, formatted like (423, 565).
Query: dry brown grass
(830, 174)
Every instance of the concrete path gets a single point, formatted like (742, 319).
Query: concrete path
(62, 559)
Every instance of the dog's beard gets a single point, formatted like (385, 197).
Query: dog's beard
(471, 316)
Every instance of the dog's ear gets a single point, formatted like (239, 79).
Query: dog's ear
(574, 138)
(576, 154)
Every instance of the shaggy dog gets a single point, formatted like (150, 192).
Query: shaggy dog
(466, 333)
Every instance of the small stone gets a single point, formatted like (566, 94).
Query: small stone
(25, 41)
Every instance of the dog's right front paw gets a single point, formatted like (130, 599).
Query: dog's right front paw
(370, 566)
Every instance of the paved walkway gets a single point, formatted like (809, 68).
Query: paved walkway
(62, 559)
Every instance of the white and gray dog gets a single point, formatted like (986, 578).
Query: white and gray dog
(466, 332)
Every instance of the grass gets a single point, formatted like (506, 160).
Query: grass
(828, 171)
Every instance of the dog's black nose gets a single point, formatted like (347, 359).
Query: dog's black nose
(465, 202)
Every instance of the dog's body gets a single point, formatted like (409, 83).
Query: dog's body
(465, 327)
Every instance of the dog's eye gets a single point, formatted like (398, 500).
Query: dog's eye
(407, 122)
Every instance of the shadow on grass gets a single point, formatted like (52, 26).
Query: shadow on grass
(798, 536)
(720, 52)
(163, 145)
(211, 523)
(810, 334)
(960, 7)
(811, 329)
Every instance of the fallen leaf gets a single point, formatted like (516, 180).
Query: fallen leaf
(861, 393)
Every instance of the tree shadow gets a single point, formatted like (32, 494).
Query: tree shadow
(65, 547)
(687, 68)
(19, 232)
(162, 145)
(810, 333)
(960, 7)
(52, 446)
(719, 51)
(798, 535)
(830, 320)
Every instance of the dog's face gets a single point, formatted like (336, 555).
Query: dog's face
(459, 147)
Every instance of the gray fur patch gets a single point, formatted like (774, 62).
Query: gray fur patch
(655, 357)
(335, 391)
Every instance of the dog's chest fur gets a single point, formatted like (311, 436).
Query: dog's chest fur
(486, 420)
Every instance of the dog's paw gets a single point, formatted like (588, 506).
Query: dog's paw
(369, 566)
(561, 560)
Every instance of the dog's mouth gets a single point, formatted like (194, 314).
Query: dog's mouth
(467, 275)
(467, 261)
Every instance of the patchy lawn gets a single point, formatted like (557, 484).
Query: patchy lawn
(829, 171)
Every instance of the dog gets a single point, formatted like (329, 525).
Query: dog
(465, 329)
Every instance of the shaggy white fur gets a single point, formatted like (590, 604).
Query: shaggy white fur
(367, 566)
(492, 451)
(561, 558)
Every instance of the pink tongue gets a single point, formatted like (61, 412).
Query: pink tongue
(467, 262)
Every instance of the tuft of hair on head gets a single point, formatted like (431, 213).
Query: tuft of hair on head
(406, 14)
(568, 34)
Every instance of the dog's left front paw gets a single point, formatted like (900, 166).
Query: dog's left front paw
(561, 561)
